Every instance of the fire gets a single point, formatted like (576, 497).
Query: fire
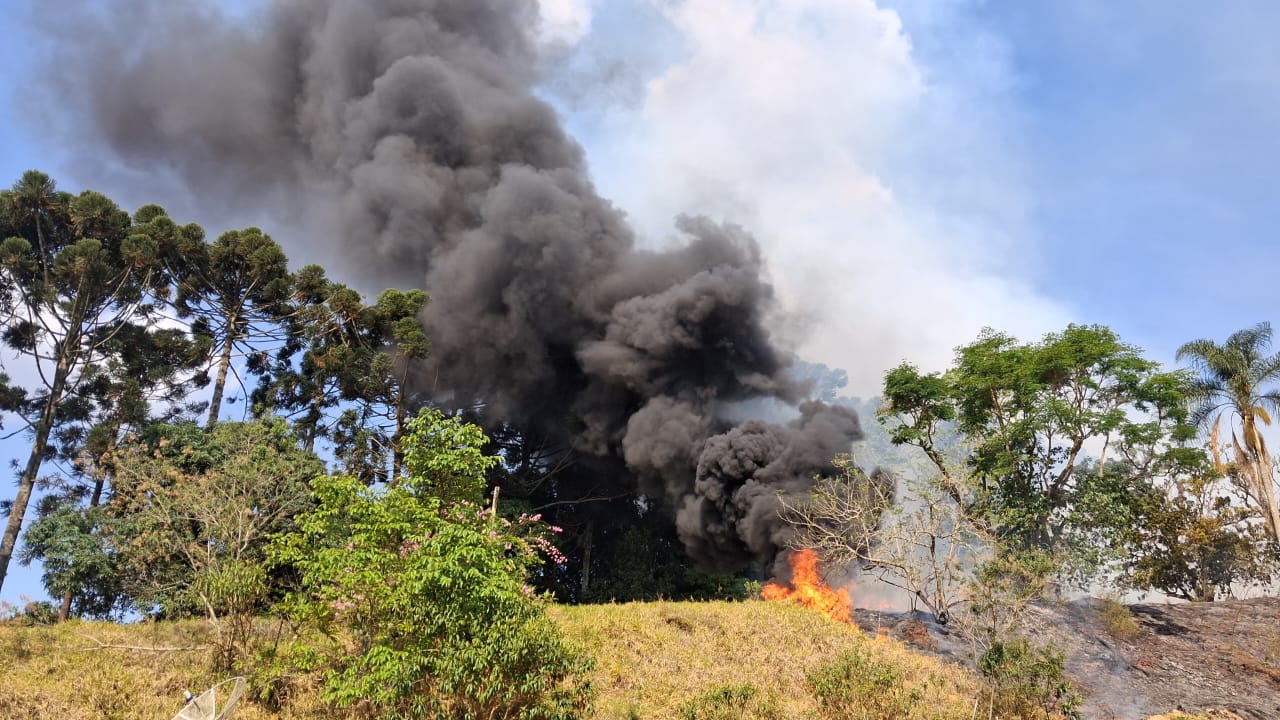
(808, 590)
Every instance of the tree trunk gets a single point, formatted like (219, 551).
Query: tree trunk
(1205, 591)
(314, 418)
(1266, 491)
(1263, 477)
(397, 442)
(27, 482)
(588, 541)
(224, 364)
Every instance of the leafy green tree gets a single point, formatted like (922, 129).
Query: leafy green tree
(75, 557)
(1024, 413)
(75, 273)
(425, 593)
(1190, 537)
(192, 511)
(1233, 382)
(1025, 680)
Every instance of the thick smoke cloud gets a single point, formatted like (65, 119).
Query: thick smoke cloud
(407, 132)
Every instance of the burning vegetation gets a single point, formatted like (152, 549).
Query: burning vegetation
(807, 588)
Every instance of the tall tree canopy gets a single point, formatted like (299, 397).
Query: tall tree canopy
(1025, 412)
(76, 275)
(344, 374)
(236, 291)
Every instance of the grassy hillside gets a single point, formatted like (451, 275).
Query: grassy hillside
(654, 661)
(661, 660)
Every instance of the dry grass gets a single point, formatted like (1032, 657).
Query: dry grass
(64, 671)
(1118, 619)
(653, 662)
(652, 659)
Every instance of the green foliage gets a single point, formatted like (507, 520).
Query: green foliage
(75, 556)
(446, 457)
(32, 612)
(1195, 543)
(1024, 413)
(77, 277)
(1028, 682)
(425, 596)
(861, 687)
(1001, 589)
(193, 510)
(732, 702)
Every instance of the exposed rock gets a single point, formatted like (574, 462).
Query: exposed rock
(1191, 657)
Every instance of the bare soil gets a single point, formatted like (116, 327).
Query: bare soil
(1192, 657)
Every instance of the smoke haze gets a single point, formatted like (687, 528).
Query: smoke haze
(886, 180)
(407, 135)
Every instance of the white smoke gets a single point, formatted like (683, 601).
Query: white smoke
(888, 205)
(564, 22)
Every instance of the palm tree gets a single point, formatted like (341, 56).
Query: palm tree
(1232, 382)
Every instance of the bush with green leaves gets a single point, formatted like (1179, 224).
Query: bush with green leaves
(68, 544)
(424, 592)
(192, 512)
(1027, 682)
(732, 702)
(860, 687)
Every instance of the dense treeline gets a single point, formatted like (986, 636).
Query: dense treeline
(133, 334)
(127, 332)
(1071, 461)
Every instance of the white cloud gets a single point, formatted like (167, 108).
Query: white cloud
(564, 22)
(887, 201)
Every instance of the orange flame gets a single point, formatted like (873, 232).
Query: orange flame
(808, 590)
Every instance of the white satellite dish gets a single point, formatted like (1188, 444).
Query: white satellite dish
(216, 703)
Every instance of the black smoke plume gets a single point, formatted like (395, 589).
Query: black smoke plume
(406, 134)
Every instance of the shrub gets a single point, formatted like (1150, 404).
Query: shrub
(1027, 682)
(732, 702)
(426, 599)
(859, 686)
(1118, 619)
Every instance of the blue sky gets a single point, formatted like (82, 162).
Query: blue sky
(915, 169)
